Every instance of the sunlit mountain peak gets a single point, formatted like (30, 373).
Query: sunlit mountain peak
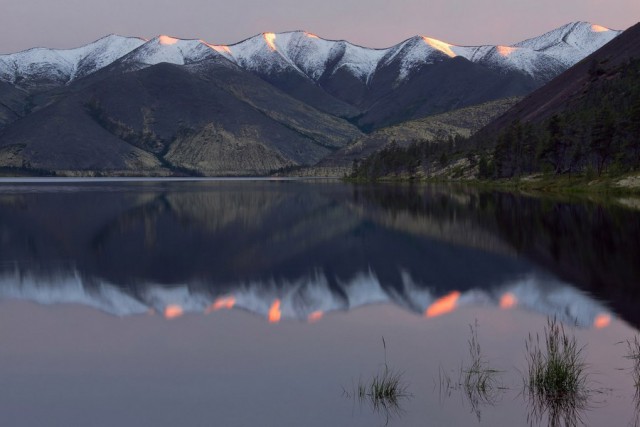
(441, 46)
(599, 28)
(270, 39)
(505, 50)
(167, 40)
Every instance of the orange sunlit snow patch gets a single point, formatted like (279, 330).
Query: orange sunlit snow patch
(440, 45)
(270, 38)
(172, 311)
(274, 312)
(444, 305)
(508, 300)
(598, 28)
(505, 50)
(602, 321)
(311, 36)
(166, 40)
(315, 316)
(221, 49)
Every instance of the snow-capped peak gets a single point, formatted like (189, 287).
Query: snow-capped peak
(304, 52)
(169, 49)
(45, 66)
(421, 50)
(441, 46)
(307, 54)
(572, 42)
(541, 57)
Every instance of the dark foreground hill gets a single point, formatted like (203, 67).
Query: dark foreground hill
(585, 120)
(166, 119)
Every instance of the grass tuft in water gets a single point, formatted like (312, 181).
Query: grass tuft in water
(384, 386)
(556, 367)
(383, 391)
(477, 379)
(633, 354)
(556, 379)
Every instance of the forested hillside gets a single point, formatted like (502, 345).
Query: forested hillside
(600, 134)
(586, 121)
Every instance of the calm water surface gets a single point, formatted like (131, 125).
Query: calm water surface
(260, 303)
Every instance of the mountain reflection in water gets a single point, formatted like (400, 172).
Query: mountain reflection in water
(299, 250)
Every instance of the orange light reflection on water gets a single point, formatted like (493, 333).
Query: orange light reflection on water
(444, 305)
(315, 316)
(173, 311)
(274, 312)
(508, 301)
(220, 303)
(602, 321)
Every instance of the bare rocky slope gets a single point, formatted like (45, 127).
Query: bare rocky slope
(462, 122)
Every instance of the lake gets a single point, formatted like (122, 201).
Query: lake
(268, 302)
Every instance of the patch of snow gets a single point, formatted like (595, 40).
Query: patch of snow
(308, 54)
(103, 53)
(572, 42)
(305, 53)
(360, 61)
(171, 50)
(60, 66)
(258, 54)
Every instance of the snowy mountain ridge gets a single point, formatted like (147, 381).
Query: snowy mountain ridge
(61, 66)
(305, 53)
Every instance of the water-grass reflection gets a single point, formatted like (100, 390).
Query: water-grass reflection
(477, 380)
(558, 411)
(383, 392)
(556, 382)
(633, 354)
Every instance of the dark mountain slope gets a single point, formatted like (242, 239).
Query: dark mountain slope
(326, 129)
(13, 103)
(272, 101)
(45, 140)
(211, 118)
(585, 120)
(568, 89)
(458, 123)
(306, 90)
(445, 85)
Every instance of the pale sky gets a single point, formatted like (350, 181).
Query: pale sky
(372, 23)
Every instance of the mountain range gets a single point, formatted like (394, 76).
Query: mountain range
(127, 106)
